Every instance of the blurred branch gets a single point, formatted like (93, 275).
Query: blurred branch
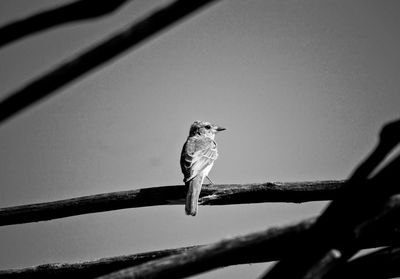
(87, 269)
(75, 11)
(384, 263)
(263, 246)
(168, 195)
(333, 238)
(280, 242)
(88, 60)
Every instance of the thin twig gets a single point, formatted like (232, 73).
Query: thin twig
(88, 60)
(75, 11)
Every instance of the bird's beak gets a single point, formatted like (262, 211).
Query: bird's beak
(219, 129)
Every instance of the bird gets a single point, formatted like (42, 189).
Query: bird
(197, 158)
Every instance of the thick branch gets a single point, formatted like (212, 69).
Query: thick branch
(167, 195)
(279, 242)
(275, 239)
(267, 245)
(78, 10)
(98, 55)
(333, 238)
(88, 269)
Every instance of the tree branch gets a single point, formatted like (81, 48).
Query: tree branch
(280, 242)
(75, 11)
(87, 269)
(384, 263)
(77, 66)
(275, 238)
(333, 238)
(267, 245)
(169, 195)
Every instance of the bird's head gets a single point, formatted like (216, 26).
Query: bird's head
(204, 128)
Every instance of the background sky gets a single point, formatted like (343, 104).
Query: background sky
(302, 86)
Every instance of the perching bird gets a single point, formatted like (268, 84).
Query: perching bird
(197, 158)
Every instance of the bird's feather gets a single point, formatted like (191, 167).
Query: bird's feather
(193, 193)
(197, 155)
(197, 158)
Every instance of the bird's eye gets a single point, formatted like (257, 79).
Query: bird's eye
(208, 127)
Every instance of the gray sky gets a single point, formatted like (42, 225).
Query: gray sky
(302, 86)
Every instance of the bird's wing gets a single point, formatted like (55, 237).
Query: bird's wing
(197, 154)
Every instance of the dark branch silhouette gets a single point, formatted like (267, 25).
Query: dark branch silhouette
(364, 212)
(263, 246)
(75, 11)
(88, 60)
(384, 263)
(329, 240)
(332, 240)
(170, 195)
(279, 241)
(87, 269)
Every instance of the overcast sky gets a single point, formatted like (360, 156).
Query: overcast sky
(302, 86)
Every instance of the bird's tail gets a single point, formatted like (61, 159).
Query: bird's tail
(192, 197)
